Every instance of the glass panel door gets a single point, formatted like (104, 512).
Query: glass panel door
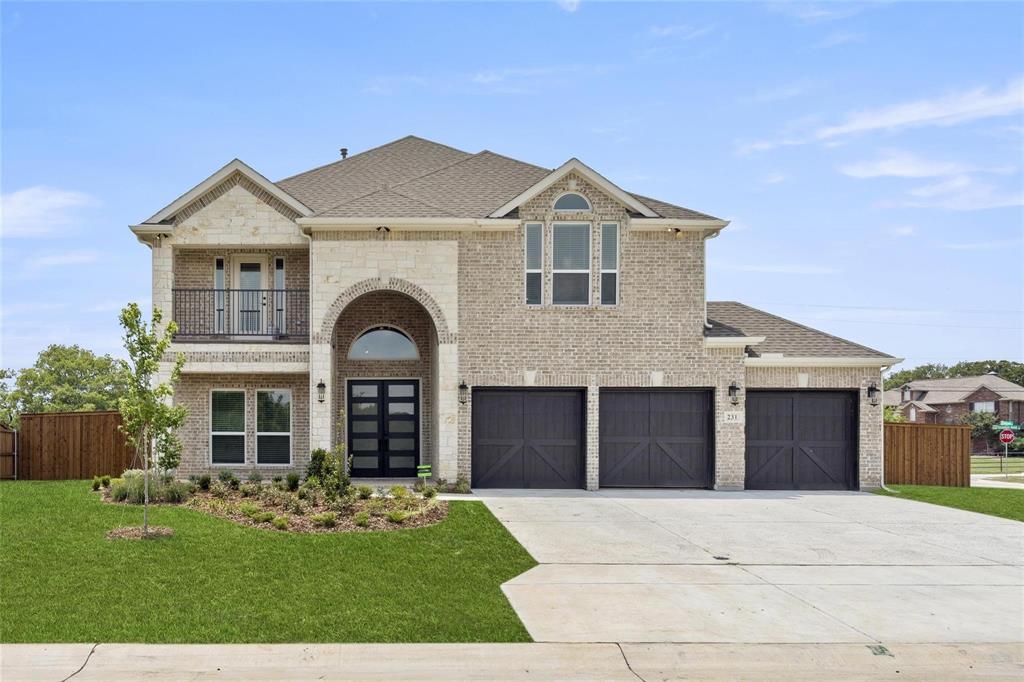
(250, 298)
(383, 427)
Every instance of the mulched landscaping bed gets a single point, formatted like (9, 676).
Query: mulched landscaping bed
(135, 533)
(429, 512)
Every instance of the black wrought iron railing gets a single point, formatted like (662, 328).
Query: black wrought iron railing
(281, 314)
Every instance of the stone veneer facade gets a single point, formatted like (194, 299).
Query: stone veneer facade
(464, 292)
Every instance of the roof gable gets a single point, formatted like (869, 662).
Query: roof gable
(233, 173)
(576, 166)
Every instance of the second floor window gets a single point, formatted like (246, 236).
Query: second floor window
(609, 263)
(570, 271)
(987, 406)
(534, 263)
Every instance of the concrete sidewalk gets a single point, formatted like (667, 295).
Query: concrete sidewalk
(610, 661)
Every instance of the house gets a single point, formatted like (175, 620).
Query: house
(515, 325)
(946, 401)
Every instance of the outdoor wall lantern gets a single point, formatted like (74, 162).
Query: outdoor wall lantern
(734, 393)
(873, 393)
(463, 392)
(321, 390)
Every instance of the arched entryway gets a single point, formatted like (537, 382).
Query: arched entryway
(384, 365)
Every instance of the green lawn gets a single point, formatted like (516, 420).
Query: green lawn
(994, 501)
(990, 465)
(61, 580)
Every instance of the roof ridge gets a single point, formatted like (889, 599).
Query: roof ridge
(373, 149)
(803, 326)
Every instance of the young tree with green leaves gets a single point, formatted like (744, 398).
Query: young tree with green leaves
(149, 419)
(982, 427)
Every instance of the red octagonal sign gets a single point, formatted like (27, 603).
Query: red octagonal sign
(1006, 436)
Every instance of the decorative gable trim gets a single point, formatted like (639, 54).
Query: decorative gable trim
(598, 180)
(234, 173)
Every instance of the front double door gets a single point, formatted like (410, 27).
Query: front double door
(384, 427)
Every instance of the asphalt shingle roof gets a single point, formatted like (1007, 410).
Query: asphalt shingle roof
(781, 335)
(941, 391)
(451, 182)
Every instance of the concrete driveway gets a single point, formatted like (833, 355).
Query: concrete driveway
(761, 567)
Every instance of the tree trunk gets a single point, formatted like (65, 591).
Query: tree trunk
(145, 489)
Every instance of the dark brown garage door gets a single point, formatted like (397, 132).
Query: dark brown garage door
(655, 438)
(527, 438)
(801, 440)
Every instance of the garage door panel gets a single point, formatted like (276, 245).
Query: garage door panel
(527, 439)
(654, 438)
(801, 441)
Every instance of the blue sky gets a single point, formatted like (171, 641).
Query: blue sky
(869, 155)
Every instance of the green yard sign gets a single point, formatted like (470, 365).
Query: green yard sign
(423, 471)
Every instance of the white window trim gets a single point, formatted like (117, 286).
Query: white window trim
(618, 251)
(245, 407)
(280, 329)
(590, 260)
(528, 270)
(291, 427)
(588, 209)
(391, 327)
(974, 406)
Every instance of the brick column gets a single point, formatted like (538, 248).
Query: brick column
(321, 415)
(163, 280)
(593, 438)
(730, 437)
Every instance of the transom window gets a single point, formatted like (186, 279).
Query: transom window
(534, 263)
(227, 427)
(273, 426)
(572, 202)
(383, 343)
(987, 406)
(570, 272)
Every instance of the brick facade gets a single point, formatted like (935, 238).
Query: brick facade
(460, 295)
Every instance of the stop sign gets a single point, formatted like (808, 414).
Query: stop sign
(1006, 436)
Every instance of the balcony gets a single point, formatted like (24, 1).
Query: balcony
(241, 314)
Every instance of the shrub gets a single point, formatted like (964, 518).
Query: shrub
(219, 489)
(118, 490)
(249, 489)
(293, 481)
(228, 478)
(263, 517)
(365, 492)
(398, 515)
(325, 519)
(293, 504)
(311, 494)
(255, 476)
(362, 519)
(175, 491)
(95, 482)
(399, 492)
(105, 481)
(462, 485)
(381, 492)
(429, 492)
(204, 482)
(248, 509)
(280, 522)
(130, 474)
(317, 462)
(330, 470)
(277, 479)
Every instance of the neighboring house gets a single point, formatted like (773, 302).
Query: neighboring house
(515, 325)
(946, 401)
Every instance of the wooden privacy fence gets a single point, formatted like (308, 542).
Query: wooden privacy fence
(72, 445)
(8, 448)
(928, 454)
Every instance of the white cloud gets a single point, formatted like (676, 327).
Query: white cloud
(778, 269)
(838, 38)
(60, 259)
(899, 164)
(568, 5)
(903, 230)
(961, 193)
(943, 111)
(31, 307)
(680, 32)
(815, 13)
(985, 246)
(41, 211)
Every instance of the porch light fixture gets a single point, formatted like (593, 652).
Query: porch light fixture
(321, 390)
(734, 393)
(873, 393)
(463, 392)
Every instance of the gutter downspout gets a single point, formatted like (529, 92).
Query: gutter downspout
(707, 236)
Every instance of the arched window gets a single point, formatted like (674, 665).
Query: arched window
(572, 202)
(383, 343)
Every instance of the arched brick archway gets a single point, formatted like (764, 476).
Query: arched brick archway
(418, 294)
